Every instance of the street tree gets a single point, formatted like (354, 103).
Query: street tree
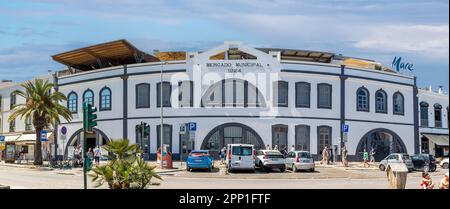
(43, 106)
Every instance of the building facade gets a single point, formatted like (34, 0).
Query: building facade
(234, 93)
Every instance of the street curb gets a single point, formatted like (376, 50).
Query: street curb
(168, 171)
(27, 166)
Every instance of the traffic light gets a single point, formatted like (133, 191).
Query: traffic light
(89, 117)
(146, 130)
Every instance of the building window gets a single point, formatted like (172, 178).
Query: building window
(437, 116)
(72, 102)
(323, 138)
(105, 99)
(362, 99)
(143, 95)
(381, 101)
(1, 104)
(167, 135)
(12, 100)
(28, 125)
(399, 103)
(280, 93)
(424, 114)
(324, 92)
(232, 93)
(167, 91)
(185, 94)
(302, 137)
(302, 94)
(88, 97)
(12, 126)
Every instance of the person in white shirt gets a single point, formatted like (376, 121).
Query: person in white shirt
(97, 154)
(293, 148)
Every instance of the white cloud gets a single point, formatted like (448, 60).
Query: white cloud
(425, 40)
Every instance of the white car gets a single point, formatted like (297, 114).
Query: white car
(299, 160)
(270, 159)
(240, 157)
(396, 158)
(444, 163)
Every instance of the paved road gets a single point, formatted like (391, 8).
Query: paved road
(324, 178)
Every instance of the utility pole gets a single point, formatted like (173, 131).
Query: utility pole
(161, 133)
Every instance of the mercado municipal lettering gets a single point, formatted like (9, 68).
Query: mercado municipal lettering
(238, 94)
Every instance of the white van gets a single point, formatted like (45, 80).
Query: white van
(240, 157)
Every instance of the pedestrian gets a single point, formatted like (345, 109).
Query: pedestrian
(268, 147)
(344, 156)
(330, 155)
(97, 154)
(275, 147)
(222, 155)
(366, 158)
(324, 155)
(293, 148)
(444, 182)
(427, 182)
(90, 153)
(372, 155)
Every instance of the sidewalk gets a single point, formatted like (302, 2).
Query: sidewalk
(351, 166)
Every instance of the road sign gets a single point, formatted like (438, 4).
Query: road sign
(2, 138)
(345, 136)
(63, 130)
(192, 126)
(43, 135)
(345, 128)
(182, 128)
(192, 136)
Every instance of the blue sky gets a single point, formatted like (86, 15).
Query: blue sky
(418, 31)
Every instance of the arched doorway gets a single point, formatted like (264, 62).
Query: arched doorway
(97, 137)
(231, 133)
(383, 141)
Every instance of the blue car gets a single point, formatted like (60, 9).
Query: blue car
(199, 159)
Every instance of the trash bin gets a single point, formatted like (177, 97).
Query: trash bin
(396, 174)
(167, 159)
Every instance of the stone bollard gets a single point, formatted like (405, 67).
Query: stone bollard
(397, 174)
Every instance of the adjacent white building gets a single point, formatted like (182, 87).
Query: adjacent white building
(234, 93)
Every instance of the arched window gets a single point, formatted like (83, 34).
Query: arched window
(185, 94)
(323, 138)
(72, 102)
(105, 98)
(166, 94)
(437, 115)
(362, 99)
(280, 93)
(142, 95)
(399, 103)
(302, 94)
(423, 114)
(88, 97)
(380, 101)
(12, 100)
(302, 139)
(324, 92)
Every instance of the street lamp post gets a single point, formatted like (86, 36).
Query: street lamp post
(161, 133)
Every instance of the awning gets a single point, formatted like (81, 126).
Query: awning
(440, 140)
(11, 138)
(31, 137)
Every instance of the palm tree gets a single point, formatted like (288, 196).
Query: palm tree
(125, 170)
(43, 106)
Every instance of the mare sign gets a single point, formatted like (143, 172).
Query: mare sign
(398, 65)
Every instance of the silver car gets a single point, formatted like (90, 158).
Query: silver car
(269, 159)
(396, 158)
(299, 160)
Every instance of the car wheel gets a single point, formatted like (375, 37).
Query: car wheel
(433, 168)
(426, 168)
(261, 167)
(445, 165)
(188, 169)
(209, 169)
(382, 167)
(283, 169)
(294, 168)
(312, 169)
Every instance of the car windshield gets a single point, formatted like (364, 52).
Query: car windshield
(405, 157)
(304, 155)
(273, 153)
(199, 154)
(245, 151)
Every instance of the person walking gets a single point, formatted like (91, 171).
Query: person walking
(427, 182)
(268, 147)
(222, 155)
(366, 158)
(324, 155)
(344, 156)
(444, 182)
(97, 154)
(372, 155)
(293, 148)
(276, 147)
(90, 153)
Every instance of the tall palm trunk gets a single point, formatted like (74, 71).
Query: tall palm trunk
(38, 149)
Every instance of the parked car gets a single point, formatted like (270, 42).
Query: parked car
(396, 158)
(444, 163)
(240, 157)
(199, 159)
(269, 159)
(299, 160)
(425, 162)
